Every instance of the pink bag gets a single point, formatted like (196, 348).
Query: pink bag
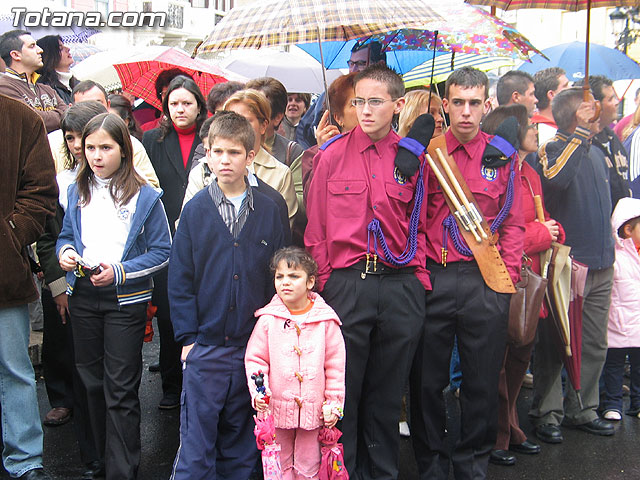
(265, 432)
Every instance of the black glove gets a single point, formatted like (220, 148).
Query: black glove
(414, 144)
(497, 154)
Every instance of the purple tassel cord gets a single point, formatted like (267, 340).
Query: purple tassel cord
(374, 228)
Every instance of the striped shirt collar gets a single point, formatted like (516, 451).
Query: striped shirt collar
(234, 220)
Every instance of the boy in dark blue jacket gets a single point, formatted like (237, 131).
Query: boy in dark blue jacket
(218, 277)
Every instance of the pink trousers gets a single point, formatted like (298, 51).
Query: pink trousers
(300, 453)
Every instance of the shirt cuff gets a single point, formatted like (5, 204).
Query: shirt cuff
(58, 286)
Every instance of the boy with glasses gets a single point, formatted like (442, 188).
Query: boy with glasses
(358, 204)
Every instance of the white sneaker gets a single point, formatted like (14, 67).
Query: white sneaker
(404, 429)
(612, 415)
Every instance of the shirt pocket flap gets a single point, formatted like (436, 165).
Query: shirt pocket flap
(401, 193)
(482, 187)
(346, 187)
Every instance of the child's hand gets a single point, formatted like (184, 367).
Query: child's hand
(261, 405)
(185, 351)
(104, 278)
(69, 259)
(331, 420)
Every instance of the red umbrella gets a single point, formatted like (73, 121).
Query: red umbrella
(139, 78)
(573, 363)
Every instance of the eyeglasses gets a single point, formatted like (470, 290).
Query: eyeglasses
(373, 102)
(359, 64)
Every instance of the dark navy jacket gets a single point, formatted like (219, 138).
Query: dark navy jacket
(575, 181)
(216, 282)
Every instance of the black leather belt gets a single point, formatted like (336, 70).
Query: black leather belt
(380, 268)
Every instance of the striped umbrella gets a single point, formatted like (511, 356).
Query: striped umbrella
(446, 63)
(273, 23)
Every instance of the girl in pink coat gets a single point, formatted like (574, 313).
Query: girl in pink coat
(298, 346)
(624, 314)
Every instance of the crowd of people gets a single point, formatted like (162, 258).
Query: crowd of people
(305, 262)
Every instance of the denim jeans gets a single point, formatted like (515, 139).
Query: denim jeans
(21, 428)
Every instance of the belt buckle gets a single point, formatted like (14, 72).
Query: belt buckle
(371, 267)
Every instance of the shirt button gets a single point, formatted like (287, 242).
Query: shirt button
(236, 244)
(232, 308)
(375, 207)
(373, 176)
(226, 339)
(346, 188)
(236, 277)
(486, 189)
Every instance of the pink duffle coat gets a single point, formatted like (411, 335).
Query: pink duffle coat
(624, 313)
(303, 365)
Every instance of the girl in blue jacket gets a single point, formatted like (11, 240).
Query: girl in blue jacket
(115, 236)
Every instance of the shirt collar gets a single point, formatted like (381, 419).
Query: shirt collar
(363, 141)
(474, 148)
(22, 76)
(219, 197)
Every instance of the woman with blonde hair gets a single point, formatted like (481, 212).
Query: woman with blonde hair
(417, 103)
(254, 106)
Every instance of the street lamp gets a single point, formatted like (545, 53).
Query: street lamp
(623, 21)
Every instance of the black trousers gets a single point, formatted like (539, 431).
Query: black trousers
(64, 387)
(108, 346)
(170, 351)
(382, 316)
(461, 305)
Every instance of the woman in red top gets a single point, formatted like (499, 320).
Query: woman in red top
(538, 238)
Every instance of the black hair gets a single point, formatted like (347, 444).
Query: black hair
(513, 81)
(10, 41)
(544, 81)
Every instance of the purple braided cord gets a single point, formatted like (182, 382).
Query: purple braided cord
(412, 240)
(450, 225)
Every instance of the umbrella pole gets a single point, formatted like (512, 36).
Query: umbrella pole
(586, 56)
(433, 66)
(324, 78)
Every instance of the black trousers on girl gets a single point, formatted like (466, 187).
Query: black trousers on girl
(108, 346)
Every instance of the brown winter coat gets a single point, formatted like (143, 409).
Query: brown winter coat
(28, 194)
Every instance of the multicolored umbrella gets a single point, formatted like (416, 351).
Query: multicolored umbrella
(273, 23)
(139, 77)
(573, 5)
(468, 29)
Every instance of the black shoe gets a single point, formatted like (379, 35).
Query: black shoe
(597, 427)
(169, 401)
(94, 470)
(154, 367)
(526, 447)
(549, 433)
(502, 457)
(36, 474)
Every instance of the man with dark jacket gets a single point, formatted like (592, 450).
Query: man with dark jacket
(28, 194)
(576, 184)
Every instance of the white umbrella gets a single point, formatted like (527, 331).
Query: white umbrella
(297, 73)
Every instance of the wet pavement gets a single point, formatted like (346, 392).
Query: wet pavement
(581, 456)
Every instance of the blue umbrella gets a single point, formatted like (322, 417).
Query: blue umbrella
(603, 60)
(336, 54)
